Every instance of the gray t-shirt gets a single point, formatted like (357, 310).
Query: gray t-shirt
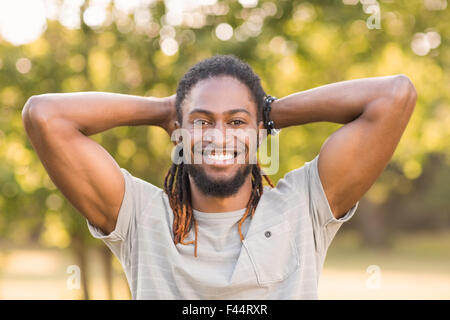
(284, 263)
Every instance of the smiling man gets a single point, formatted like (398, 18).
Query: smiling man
(214, 231)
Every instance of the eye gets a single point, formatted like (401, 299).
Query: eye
(200, 122)
(237, 122)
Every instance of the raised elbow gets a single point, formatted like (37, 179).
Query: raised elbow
(35, 111)
(404, 91)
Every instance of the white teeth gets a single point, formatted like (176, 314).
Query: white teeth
(221, 157)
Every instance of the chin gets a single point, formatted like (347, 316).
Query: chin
(220, 172)
(221, 182)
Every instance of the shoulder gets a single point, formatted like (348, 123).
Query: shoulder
(137, 182)
(291, 191)
(140, 191)
(297, 181)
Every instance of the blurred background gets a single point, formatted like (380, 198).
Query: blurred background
(398, 244)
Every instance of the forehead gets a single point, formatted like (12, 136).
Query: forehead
(220, 94)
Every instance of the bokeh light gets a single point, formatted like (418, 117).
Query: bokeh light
(169, 46)
(94, 16)
(23, 65)
(248, 3)
(224, 31)
(69, 14)
(422, 43)
(435, 5)
(22, 21)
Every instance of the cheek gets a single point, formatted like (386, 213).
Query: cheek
(192, 138)
(247, 138)
(196, 144)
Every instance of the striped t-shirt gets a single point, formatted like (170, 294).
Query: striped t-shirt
(281, 256)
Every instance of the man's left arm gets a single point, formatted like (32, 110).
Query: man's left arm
(375, 112)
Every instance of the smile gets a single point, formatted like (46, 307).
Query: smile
(218, 156)
(221, 156)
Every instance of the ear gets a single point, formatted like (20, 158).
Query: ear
(177, 126)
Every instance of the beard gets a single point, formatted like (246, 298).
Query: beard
(221, 188)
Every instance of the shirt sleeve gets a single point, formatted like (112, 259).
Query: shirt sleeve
(324, 224)
(138, 194)
(304, 186)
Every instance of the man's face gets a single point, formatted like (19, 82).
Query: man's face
(223, 108)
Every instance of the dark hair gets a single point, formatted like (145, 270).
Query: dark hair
(176, 183)
(221, 65)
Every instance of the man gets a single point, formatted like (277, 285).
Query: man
(215, 232)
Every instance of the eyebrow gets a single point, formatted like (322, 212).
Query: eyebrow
(229, 112)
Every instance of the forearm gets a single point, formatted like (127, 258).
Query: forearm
(340, 102)
(94, 112)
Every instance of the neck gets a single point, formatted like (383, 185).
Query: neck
(205, 203)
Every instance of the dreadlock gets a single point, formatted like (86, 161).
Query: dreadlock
(176, 182)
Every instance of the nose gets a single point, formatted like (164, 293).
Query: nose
(217, 135)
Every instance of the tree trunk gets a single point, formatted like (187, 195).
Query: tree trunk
(81, 254)
(107, 266)
(372, 224)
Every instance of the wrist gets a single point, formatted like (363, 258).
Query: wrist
(165, 112)
(292, 110)
(276, 114)
(269, 123)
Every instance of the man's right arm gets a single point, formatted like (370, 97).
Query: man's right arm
(58, 126)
